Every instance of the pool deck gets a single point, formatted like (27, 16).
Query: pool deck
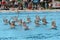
(53, 10)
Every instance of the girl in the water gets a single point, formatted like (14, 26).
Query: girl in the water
(5, 21)
(44, 21)
(12, 24)
(20, 22)
(25, 26)
(28, 19)
(15, 19)
(37, 20)
(53, 25)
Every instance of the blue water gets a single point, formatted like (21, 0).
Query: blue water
(43, 32)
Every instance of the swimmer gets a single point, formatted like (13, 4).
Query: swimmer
(37, 22)
(25, 26)
(15, 19)
(53, 25)
(38, 18)
(28, 19)
(20, 22)
(12, 24)
(44, 21)
(5, 21)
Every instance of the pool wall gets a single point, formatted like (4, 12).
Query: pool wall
(57, 10)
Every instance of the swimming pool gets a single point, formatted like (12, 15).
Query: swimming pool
(43, 32)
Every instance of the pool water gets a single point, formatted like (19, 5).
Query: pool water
(43, 32)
